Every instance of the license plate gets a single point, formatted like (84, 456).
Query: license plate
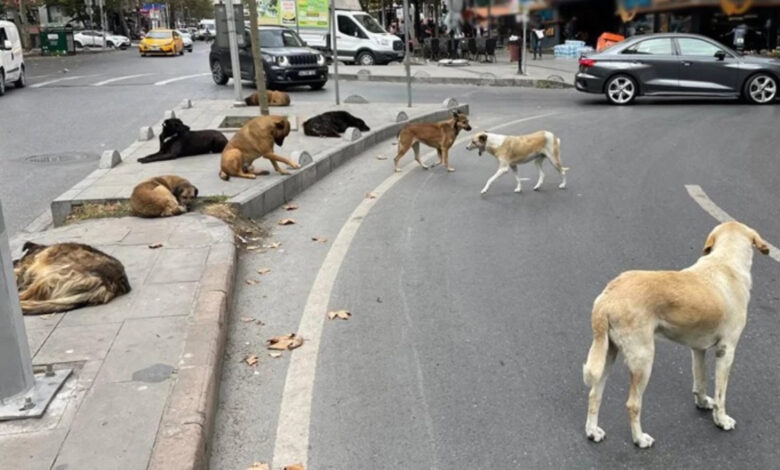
(307, 73)
(155, 48)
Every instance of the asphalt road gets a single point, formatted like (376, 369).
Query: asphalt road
(471, 314)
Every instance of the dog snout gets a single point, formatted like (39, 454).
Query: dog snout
(468, 127)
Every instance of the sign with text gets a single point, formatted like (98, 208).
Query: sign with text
(311, 13)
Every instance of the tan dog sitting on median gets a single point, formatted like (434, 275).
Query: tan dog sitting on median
(703, 306)
(275, 98)
(511, 151)
(254, 140)
(162, 196)
(440, 135)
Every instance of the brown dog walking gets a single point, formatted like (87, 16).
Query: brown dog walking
(440, 135)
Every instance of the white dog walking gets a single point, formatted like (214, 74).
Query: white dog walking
(511, 151)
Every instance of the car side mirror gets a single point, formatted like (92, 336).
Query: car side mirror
(720, 55)
(7, 45)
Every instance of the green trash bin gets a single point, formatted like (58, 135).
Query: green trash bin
(57, 41)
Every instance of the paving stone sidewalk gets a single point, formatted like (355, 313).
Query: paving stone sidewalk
(145, 364)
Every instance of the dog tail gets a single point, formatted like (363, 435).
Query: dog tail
(557, 150)
(64, 304)
(593, 369)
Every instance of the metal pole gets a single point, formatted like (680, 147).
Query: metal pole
(406, 54)
(297, 25)
(102, 24)
(235, 64)
(490, 18)
(525, 24)
(16, 374)
(334, 49)
(257, 58)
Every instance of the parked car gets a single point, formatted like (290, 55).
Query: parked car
(676, 64)
(161, 41)
(186, 39)
(11, 58)
(91, 38)
(286, 60)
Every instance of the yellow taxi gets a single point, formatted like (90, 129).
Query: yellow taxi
(161, 41)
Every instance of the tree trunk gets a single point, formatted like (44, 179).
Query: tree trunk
(257, 57)
(22, 26)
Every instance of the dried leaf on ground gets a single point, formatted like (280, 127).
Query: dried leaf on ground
(263, 270)
(259, 466)
(297, 466)
(275, 355)
(253, 247)
(370, 196)
(154, 246)
(319, 239)
(252, 282)
(247, 319)
(285, 342)
(286, 221)
(290, 207)
(273, 245)
(381, 157)
(341, 314)
(252, 360)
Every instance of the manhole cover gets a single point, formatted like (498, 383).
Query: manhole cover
(63, 157)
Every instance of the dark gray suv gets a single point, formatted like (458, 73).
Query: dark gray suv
(677, 64)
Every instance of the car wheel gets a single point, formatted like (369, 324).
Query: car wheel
(109, 44)
(78, 44)
(621, 89)
(217, 74)
(761, 88)
(365, 58)
(317, 86)
(21, 82)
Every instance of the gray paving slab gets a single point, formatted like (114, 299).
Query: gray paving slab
(77, 343)
(31, 451)
(179, 265)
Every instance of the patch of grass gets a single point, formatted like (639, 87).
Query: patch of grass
(98, 211)
(248, 232)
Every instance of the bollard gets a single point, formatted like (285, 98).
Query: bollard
(145, 133)
(22, 393)
(169, 114)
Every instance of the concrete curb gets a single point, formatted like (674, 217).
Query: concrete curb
(184, 435)
(257, 203)
(501, 82)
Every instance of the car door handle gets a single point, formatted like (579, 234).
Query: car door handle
(687, 63)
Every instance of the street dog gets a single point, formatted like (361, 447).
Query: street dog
(332, 124)
(511, 151)
(162, 196)
(703, 306)
(254, 140)
(275, 98)
(440, 135)
(61, 277)
(177, 140)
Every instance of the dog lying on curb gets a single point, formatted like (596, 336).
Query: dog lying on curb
(511, 151)
(177, 140)
(703, 306)
(254, 140)
(162, 196)
(440, 135)
(275, 98)
(332, 124)
(61, 277)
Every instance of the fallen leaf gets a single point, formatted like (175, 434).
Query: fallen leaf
(252, 360)
(381, 157)
(286, 221)
(154, 246)
(370, 196)
(263, 270)
(341, 314)
(285, 342)
(275, 355)
(259, 466)
(319, 239)
(253, 247)
(260, 322)
(247, 319)
(290, 207)
(273, 245)
(297, 466)
(252, 282)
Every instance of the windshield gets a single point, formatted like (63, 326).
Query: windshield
(159, 35)
(273, 38)
(369, 23)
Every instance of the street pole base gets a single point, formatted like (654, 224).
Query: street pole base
(33, 403)
(239, 104)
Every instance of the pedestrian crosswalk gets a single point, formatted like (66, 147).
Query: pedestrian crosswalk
(156, 79)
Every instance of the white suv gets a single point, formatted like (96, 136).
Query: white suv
(90, 38)
(11, 59)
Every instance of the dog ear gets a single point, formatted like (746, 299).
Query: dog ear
(177, 190)
(709, 244)
(30, 246)
(760, 244)
(482, 138)
(196, 191)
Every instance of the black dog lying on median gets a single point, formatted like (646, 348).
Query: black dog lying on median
(177, 140)
(332, 124)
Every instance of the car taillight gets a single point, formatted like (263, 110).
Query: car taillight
(585, 62)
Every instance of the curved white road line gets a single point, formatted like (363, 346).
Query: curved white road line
(183, 77)
(49, 82)
(719, 214)
(118, 79)
(292, 432)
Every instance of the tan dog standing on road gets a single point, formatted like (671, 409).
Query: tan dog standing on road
(511, 151)
(703, 306)
(162, 196)
(254, 140)
(440, 135)
(275, 98)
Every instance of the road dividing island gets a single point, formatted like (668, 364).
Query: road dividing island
(253, 197)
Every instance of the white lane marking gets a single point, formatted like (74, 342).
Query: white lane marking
(719, 214)
(183, 77)
(49, 82)
(292, 432)
(117, 79)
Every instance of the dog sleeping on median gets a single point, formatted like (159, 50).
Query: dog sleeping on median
(702, 307)
(177, 140)
(511, 151)
(162, 196)
(439, 135)
(275, 98)
(332, 124)
(61, 277)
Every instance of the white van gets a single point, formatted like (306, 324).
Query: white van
(11, 59)
(360, 39)
(207, 29)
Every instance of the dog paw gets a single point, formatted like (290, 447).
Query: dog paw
(562, 186)
(536, 188)
(725, 422)
(397, 170)
(294, 166)
(596, 434)
(704, 403)
(483, 192)
(518, 190)
(645, 441)
(450, 169)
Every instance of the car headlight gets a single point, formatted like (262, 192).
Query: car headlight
(320, 59)
(282, 61)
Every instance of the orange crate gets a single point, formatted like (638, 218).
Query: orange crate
(607, 39)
